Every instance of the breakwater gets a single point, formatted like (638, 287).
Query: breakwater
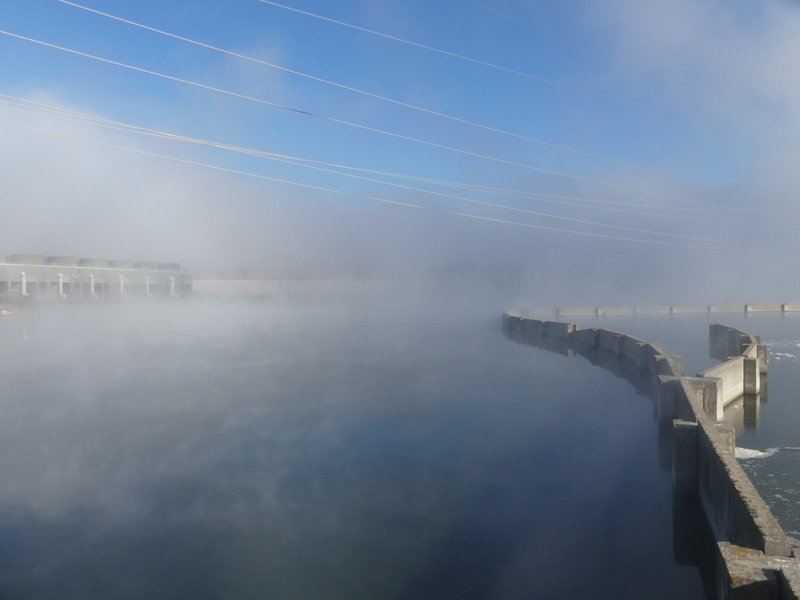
(754, 555)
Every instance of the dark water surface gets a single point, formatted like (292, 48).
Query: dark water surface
(323, 450)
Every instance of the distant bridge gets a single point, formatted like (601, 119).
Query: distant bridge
(27, 276)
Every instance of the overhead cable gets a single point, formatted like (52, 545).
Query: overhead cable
(290, 160)
(354, 125)
(457, 56)
(422, 109)
(369, 197)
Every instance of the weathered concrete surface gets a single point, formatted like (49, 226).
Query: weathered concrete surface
(631, 349)
(558, 329)
(584, 337)
(750, 574)
(533, 326)
(744, 574)
(667, 364)
(685, 466)
(789, 577)
(608, 340)
(752, 375)
(790, 307)
(731, 376)
(763, 358)
(735, 511)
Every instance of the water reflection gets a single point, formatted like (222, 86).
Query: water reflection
(693, 541)
(340, 450)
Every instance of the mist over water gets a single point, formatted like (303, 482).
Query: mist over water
(348, 448)
(367, 431)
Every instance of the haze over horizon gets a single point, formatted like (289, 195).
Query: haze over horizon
(614, 151)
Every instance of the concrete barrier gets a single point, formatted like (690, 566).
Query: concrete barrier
(558, 329)
(731, 376)
(584, 337)
(735, 510)
(755, 554)
(608, 340)
(533, 326)
(631, 349)
(790, 308)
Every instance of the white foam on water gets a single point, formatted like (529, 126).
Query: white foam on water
(748, 453)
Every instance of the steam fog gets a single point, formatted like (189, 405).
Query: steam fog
(701, 95)
(365, 427)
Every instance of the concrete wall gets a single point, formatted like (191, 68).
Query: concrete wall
(677, 309)
(731, 379)
(704, 461)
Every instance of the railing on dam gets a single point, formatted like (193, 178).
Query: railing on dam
(755, 557)
(31, 276)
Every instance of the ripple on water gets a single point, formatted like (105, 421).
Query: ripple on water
(776, 474)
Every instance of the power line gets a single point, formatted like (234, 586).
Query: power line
(462, 57)
(542, 196)
(296, 162)
(351, 124)
(478, 62)
(449, 117)
(368, 197)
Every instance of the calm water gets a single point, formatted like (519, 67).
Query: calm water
(325, 450)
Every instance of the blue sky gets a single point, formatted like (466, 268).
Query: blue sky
(697, 95)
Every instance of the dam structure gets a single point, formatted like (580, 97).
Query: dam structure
(27, 276)
(754, 556)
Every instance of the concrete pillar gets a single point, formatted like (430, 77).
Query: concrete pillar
(172, 289)
(24, 283)
(685, 469)
(61, 293)
(750, 410)
(762, 358)
(147, 286)
(727, 435)
(752, 376)
(667, 390)
(121, 285)
(712, 398)
(91, 286)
